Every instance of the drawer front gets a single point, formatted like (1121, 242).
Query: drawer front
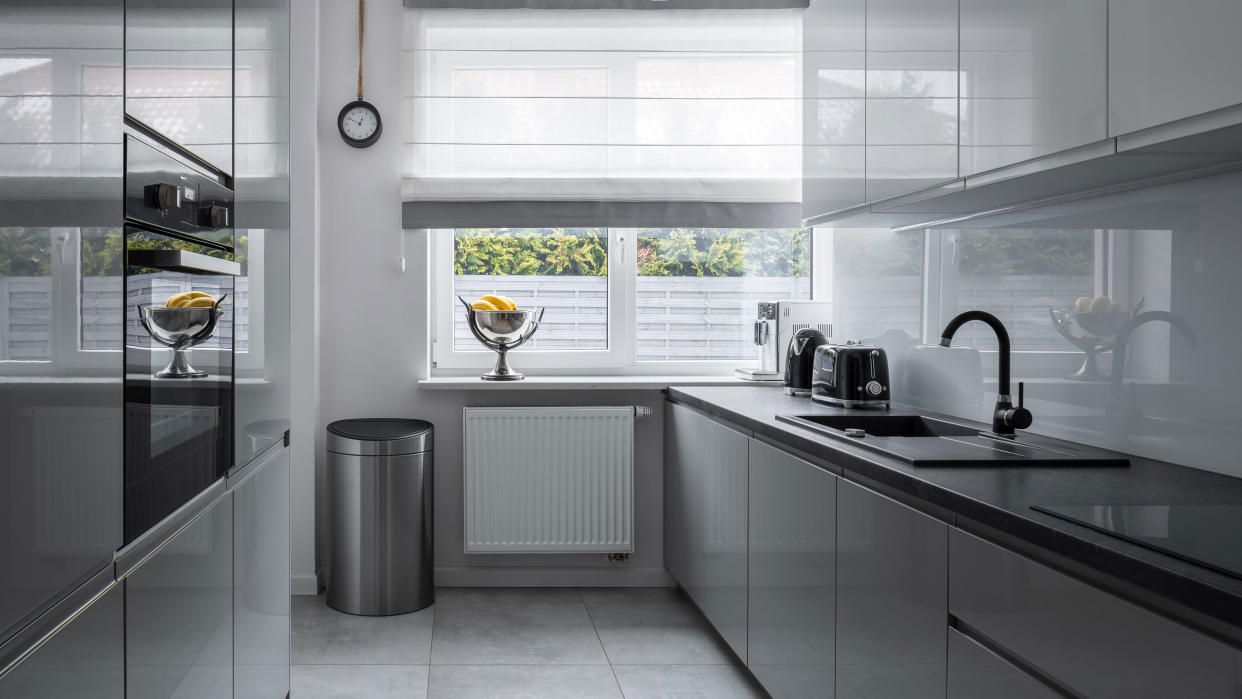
(977, 673)
(1090, 641)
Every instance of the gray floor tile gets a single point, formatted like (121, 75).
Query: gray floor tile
(630, 595)
(358, 681)
(672, 633)
(522, 681)
(515, 634)
(493, 595)
(685, 682)
(325, 636)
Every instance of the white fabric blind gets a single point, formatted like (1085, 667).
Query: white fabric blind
(536, 107)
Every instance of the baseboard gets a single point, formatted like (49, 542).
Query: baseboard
(549, 576)
(304, 584)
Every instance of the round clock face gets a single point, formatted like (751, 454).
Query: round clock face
(359, 124)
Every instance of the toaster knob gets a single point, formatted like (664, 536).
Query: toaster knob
(874, 388)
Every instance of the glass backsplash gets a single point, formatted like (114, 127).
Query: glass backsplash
(1123, 311)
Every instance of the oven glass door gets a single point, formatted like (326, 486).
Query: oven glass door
(179, 301)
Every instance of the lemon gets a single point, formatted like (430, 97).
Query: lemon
(482, 305)
(200, 302)
(178, 300)
(1083, 303)
(1100, 304)
(502, 303)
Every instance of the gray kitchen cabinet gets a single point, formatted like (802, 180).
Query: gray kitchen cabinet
(179, 73)
(977, 673)
(791, 625)
(1088, 640)
(892, 580)
(834, 61)
(1034, 79)
(261, 580)
(911, 95)
(179, 613)
(705, 518)
(85, 659)
(1171, 60)
(724, 469)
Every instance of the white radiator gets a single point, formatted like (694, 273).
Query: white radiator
(549, 480)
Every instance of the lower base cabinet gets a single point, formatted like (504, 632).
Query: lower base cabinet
(792, 571)
(84, 660)
(977, 673)
(179, 613)
(261, 581)
(892, 597)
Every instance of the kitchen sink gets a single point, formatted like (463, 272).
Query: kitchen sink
(893, 425)
(927, 441)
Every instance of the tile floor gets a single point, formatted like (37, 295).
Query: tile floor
(506, 642)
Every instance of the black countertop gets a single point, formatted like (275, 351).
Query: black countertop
(995, 503)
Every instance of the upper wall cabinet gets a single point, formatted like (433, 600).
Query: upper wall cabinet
(1171, 60)
(911, 92)
(834, 64)
(179, 73)
(1033, 79)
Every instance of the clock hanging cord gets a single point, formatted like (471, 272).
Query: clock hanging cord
(362, 11)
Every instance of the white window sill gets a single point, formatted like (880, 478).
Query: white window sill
(545, 383)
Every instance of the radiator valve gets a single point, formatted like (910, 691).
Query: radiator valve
(618, 557)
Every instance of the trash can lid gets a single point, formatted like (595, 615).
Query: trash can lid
(378, 436)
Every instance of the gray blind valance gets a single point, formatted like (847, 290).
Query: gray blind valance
(607, 4)
(615, 214)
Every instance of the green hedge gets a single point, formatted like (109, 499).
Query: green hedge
(662, 252)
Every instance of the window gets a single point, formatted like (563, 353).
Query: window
(619, 299)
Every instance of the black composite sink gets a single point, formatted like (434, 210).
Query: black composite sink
(893, 425)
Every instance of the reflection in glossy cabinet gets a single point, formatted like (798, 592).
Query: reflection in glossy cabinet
(725, 463)
(84, 660)
(1171, 60)
(684, 436)
(1034, 79)
(179, 73)
(977, 673)
(792, 574)
(179, 613)
(891, 598)
(834, 109)
(1092, 642)
(912, 91)
(261, 581)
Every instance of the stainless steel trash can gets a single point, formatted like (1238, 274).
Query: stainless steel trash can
(380, 516)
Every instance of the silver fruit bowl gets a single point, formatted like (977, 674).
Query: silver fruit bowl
(180, 328)
(1092, 332)
(501, 331)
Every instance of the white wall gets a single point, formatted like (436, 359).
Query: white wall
(372, 329)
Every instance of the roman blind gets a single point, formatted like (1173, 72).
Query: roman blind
(603, 117)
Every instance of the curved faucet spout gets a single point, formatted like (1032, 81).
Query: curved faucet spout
(1123, 341)
(1005, 417)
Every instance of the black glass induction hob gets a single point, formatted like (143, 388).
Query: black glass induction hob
(1203, 534)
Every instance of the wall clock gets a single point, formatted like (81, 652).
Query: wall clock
(359, 121)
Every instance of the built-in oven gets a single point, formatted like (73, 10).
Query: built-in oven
(180, 268)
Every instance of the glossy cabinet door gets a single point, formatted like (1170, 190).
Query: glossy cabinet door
(261, 581)
(179, 73)
(179, 613)
(685, 434)
(1092, 642)
(84, 660)
(791, 622)
(724, 467)
(61, 307)
(911, 91)
(1034, 79)
(892, 580)
(977, 673)
(834, 60)
(261, 211)
(1171, 60)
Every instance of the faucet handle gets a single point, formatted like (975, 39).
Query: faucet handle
(1019, 418)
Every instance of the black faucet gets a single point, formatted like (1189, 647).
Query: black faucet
(1005, 417)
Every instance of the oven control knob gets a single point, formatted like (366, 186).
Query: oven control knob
(874, 388)
(215, 216)
(162, 196)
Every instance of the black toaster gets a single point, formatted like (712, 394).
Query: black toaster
(851, 376)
